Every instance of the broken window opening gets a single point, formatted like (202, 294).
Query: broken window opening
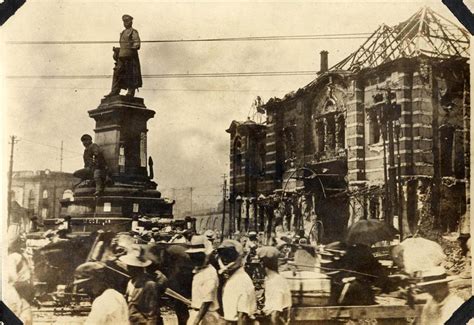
(374, 128)
(238, 156)
(446, 137)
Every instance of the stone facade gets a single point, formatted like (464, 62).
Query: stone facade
(41, 191)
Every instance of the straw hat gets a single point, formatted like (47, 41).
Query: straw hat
(268, 252)
(135, 257)
(435, 275)
(199, 244)
(210, 234)
(230, 243)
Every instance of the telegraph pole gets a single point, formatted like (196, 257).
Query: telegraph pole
(61, 158)
(191, 195)
(224, 198)
(389, 112)
(10, 176)
(174, 198)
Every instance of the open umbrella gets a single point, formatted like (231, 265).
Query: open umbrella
(369, 232)
(418, 254)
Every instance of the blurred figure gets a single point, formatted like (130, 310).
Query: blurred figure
(109, 306)
(351, 288)
(141, 294)
(19, 291)
(210, 236)
(442, 304)
(277, 292)
(204, 304)
(238, 295)
(252, 242)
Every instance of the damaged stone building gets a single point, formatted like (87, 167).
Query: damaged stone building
(382, 134)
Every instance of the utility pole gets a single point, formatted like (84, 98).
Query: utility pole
(191, 197)
(61, 158)
(174, 199)
(10, 177)
(224, 198)
(388, 112)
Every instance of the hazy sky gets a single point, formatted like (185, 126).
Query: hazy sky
(187, 137)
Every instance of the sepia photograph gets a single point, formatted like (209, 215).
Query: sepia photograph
(234, 162)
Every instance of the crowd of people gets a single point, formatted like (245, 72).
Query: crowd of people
(232, 281)
(222, 291)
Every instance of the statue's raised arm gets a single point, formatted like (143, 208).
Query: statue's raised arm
(127, 74)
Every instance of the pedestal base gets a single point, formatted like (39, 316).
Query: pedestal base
(114, 209)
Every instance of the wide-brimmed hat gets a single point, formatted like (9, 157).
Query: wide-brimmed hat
(135, 257)
(435, 275)
(268, 252)
(232, 244)
(199, 244)
(88, 271)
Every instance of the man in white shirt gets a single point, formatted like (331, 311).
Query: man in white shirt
(204, 303)
(109, 306)
(277, 290)
(238, 295)
(442, 304)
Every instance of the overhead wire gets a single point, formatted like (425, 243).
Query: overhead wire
(155, 89)
(218, 39)
(48, 145)
(176, 75)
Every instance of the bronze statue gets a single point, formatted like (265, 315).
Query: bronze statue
(127, 74)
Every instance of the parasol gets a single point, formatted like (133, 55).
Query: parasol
(369, 232)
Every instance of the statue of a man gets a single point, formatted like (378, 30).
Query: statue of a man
(127, 74)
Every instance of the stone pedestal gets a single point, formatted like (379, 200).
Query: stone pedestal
(121, 132)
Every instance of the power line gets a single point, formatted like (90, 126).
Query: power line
(176, 75)
(157, 89)
(220, 39)
(48, 145)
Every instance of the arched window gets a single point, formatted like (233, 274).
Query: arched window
(45, 194)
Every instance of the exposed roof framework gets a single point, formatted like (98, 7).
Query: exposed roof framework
(424, 33)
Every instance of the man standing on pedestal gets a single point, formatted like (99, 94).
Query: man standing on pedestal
(127, 74)
(94, 164)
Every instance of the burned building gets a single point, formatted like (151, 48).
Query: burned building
(382, 134)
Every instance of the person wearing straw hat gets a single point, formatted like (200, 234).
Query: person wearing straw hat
(210, 235)
(141, 293)
(442, 304)
(204, 303)
(238, 295)
(109, 306)
(277, 291)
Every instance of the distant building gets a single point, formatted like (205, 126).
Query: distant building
(40, 191)
(211, 219)
(383, 134)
